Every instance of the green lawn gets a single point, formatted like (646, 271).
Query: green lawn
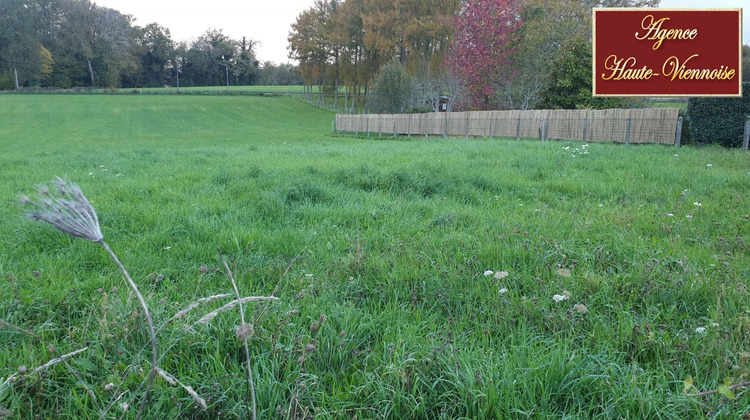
(222, 89)
(387, 243)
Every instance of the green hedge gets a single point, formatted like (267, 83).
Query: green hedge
(719, 120)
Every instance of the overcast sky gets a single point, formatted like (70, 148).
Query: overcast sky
(269, 21)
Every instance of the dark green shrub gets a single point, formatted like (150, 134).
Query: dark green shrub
(59, 81)
(391, 90)
(719, 120)
(6, 82)
(686, 138)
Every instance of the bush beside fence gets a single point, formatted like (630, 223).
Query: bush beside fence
(647, 125)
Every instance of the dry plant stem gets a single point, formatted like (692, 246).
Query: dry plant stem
(58, 360)
(154, 352)
(195, 304)
(63, 360)
(716, 391)
(276, 288)
(229, 306)
(174, 382)
(244, 340)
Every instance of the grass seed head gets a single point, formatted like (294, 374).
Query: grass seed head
(66, 209)
(245, 331)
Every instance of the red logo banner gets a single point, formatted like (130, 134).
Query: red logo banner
(667, 52)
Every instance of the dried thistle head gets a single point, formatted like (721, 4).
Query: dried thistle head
(66, 209)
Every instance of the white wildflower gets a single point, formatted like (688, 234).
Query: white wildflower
(697, 203)
(689, 216)
(488, 273)
(708, 165)
(675, 155)
(167, 248)
(670, 214)
(501, 275)
(503, 291)
(559, 298)
(714, 324)
(700, 330)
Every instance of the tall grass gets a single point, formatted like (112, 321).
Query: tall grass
(389, 240)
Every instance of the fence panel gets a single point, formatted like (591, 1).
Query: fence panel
(647, 125)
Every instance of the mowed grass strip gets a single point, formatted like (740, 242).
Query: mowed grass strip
(223, 89)
(378, 251)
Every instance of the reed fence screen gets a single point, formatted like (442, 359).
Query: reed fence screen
(646, 125)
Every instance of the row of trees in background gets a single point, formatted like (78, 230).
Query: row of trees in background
(345, 43)
(75, 43)
(474, 54)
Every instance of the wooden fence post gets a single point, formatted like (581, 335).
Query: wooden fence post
(627, 131)
(518, 129)
(367, 126)
(490, 133)
(541, 131)
(394, 128)
(546, 129)
(380, 126)
(585, 128)
(445, 125)
(746, 137)
(408, 130)
(678, 135)
(467, 127)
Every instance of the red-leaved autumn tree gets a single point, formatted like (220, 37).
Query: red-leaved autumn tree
(485, 40)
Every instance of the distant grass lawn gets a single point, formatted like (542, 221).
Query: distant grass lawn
(221, 89)
(627, 267)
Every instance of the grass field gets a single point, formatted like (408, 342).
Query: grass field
(377, 250)
(220, 89)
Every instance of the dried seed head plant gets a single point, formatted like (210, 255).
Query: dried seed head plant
(66, 208)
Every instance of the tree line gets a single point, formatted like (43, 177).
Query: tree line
(75, 43)
(477, 54)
